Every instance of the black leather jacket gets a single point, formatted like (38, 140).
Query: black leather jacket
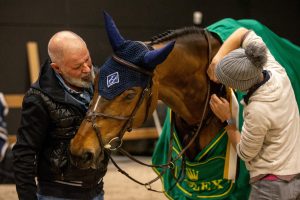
(50, 119)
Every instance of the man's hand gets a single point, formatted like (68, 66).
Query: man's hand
(220, 107)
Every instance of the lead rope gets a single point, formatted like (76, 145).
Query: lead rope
(148, 184)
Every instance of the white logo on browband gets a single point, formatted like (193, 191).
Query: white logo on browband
(112, 79)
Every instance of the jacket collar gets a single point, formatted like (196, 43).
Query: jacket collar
(49, 84)
(256, 86)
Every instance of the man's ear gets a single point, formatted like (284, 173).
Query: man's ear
(56, 68)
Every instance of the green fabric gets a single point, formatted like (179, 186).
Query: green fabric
(204, 175)
(285, 52)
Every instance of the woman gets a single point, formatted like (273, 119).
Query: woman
(270, 136)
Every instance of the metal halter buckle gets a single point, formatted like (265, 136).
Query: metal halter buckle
(114, 144)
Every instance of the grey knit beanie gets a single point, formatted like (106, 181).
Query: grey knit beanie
(241, 68)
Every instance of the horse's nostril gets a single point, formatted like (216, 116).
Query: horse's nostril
(87, 156)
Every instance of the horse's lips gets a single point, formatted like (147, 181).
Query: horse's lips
(93, 166)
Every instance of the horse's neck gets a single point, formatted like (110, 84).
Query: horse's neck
(183, 86)
(182, 79)
(186, 133)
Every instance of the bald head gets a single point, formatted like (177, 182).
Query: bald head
(70, 58)
(62, 43)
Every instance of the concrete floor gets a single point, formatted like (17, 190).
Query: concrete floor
(116, 185)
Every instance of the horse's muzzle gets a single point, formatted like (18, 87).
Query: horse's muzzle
(87, 159)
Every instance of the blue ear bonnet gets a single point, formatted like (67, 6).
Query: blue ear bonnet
(115, 78)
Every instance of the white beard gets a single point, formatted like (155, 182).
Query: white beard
(83, 82)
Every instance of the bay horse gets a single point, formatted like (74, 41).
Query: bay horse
(180, 81)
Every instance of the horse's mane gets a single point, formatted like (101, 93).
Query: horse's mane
(174, 34)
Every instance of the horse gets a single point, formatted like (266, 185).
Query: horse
(180, 81)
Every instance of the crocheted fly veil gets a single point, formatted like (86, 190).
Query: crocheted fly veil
(115, 77)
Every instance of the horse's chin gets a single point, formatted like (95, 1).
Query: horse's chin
(89, 166)
(92, 164)
(77, 162)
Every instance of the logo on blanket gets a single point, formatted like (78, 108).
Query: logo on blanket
(192, 174)
(112, 79)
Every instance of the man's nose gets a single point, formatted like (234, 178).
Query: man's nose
(86, 68)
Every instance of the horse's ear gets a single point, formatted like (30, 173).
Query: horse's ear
(113, 33)
(155, 57)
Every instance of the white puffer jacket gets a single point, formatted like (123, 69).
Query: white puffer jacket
(270, 136)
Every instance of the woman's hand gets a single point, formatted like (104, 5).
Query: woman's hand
(220, 107)
(211, 70)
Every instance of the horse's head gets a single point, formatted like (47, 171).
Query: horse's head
(122, 100)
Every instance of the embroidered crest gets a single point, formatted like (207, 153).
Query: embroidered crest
(112, 79)
(192, 174)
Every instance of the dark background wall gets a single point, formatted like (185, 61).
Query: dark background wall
(38, 20)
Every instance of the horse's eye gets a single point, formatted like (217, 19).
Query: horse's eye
(130, 95)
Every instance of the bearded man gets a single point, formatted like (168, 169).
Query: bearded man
(52, 111)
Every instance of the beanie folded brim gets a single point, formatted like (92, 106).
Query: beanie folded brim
(242, 85)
